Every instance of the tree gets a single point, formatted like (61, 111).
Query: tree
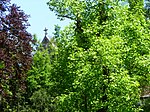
(83, 84)
(103, 57)
(15, 53)
(40, 80)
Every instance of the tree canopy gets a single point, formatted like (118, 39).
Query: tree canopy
(15, 52)
(99, 63)
(106, 49)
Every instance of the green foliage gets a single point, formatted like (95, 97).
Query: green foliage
(2, 65)
(107, 73)
(146, 105)
(39, 75)
(42, 101)
(83, 71)
(57, 31)
(99, 63)
(40, 80)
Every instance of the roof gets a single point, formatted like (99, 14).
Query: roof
(45, 40)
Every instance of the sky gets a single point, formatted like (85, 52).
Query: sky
(40, 17)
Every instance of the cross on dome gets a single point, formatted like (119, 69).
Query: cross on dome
(46, 31)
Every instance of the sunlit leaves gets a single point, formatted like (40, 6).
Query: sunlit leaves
(105, 72)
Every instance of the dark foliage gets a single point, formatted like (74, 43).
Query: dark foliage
(15, 53)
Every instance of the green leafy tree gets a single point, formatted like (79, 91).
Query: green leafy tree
(39, 74)
(102, 57)
(101, 61)
(39, 94)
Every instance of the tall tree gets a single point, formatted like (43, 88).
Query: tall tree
(15, 53)
(39, 78)
(102, 57)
